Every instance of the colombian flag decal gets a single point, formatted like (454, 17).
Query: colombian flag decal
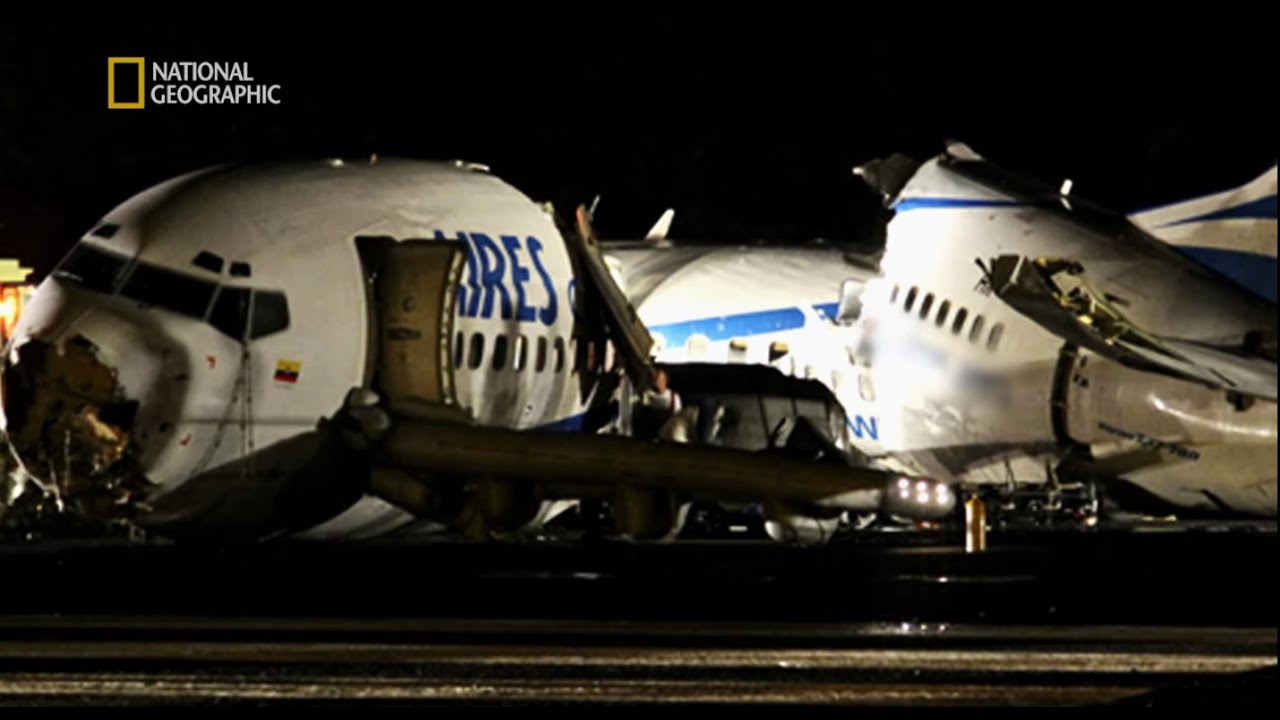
(287, 371)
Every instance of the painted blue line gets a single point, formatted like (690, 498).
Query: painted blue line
(1253, 271)
(938, 203)
(828, 310)
(728, 327)
(1264, 208)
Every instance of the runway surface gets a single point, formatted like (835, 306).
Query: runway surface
(272, 660)
(1142, 618)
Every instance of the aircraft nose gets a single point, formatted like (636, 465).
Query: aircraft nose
(69, 422)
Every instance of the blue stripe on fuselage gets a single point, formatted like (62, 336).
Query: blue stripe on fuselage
(1255, 272)
(827, 310)
(937, 203)
(728, 327)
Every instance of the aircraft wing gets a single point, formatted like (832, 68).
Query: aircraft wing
(1057, 295)
(432, 441)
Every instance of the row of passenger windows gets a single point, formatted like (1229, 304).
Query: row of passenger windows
(928, 304)
(240, 313)
(514, 353)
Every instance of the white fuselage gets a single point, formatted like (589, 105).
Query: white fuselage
(940, 377)
(226, 421)
(994, 398)
(764, 305)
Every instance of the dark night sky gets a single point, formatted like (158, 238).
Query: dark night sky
(748, 126)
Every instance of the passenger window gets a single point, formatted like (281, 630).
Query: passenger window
(499, 352)
(540, 362)
(270, 314)
(521, 354)
(911, 300)
(559, 351)
(459, 341)
(476, 355)
(241, 269)
(943, 310)
(961, 315)
(163, 288)
(893, 295)
(993, 340)
(777, 349)
(231, 312)
(975, 332)
(926, 306)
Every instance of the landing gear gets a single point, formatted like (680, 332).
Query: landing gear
(1051, 505)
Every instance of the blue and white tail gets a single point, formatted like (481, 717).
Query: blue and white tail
(1232, 232)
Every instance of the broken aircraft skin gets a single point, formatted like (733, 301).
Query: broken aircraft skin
(31, 512)
(72, 416)
(1016, 333)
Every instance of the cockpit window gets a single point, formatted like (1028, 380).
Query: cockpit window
(270, 314)
(91, 267)
(106, 231)
(169, 290)
(99, 270)
(208, 261)
(231, 312)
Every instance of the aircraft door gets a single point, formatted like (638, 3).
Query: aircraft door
(417, 290)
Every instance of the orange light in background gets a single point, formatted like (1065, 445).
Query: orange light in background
(11, 300)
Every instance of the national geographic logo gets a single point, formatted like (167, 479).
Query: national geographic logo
(184, 83)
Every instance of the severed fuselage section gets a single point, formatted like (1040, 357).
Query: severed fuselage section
(1019, 342)
(1017, 336)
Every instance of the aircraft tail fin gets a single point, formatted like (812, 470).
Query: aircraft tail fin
(1232, 232)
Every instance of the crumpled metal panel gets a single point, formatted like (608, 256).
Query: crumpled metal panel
(69, 422)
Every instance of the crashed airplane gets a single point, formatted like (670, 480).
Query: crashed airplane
(1046, 354)
(336, 349)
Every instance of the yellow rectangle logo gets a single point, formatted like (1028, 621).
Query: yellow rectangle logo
(111, 83)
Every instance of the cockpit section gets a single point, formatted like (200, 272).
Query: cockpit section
(241, 313)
